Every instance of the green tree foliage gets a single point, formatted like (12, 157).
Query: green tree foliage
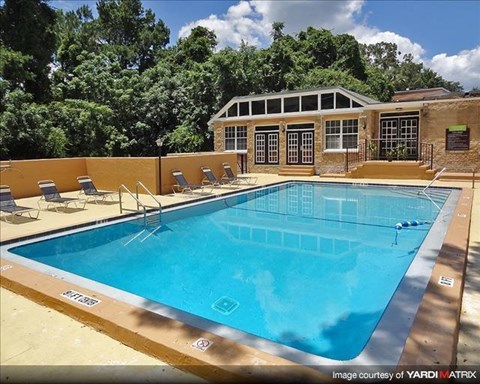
(277, 30)
(405, 73)
(77, 34)
(115, 87)
(131, 33)
(14, 68)
(349, 58)
(25, 128)
(319, 45)
(27, 27)
(88, 127)
(383, 55)
(197, 47)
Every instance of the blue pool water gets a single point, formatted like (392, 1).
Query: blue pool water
(310, 266)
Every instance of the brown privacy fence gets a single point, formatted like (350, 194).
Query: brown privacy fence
(109, 172)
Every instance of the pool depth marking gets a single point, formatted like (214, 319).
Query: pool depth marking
(446, 281)
(80, 298)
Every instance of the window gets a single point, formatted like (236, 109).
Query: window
(244, 109)
(258, 107)
(342, 101)
(266, 144)
(274, 105)
(327, 101)
(291, 104)
(232, 111)
(310, 103)
(341, 134)
(236, 138)
(300, 126)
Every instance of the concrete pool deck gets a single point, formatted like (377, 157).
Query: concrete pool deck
(28, 354)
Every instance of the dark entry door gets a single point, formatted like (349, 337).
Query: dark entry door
(300, 147)
(399, 131)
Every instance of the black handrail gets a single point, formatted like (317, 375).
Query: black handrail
(389, 149)
(426, 154)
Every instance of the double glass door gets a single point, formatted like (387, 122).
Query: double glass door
(399, 131)
(300, 147)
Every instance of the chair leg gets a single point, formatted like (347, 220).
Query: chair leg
(5, 217)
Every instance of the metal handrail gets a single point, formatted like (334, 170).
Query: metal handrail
(139, 203)
(437, 176)
(139, 183)
(388, 149)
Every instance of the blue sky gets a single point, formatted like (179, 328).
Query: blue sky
(444, 35)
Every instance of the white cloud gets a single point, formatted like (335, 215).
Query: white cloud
(239, 23)
(463, 67)
(297, 15)
(367, 35)
(251, 22)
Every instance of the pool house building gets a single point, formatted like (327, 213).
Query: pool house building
(333, 130)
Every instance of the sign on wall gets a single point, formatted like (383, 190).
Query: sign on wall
(457, 138)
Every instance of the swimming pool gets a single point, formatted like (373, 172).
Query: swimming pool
(309, 266)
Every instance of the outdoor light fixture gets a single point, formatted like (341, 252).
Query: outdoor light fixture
(425, 109)
(159, 143)
(363, 122)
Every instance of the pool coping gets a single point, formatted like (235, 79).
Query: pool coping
(216, 363)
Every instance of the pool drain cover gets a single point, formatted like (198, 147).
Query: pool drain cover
(225, 305)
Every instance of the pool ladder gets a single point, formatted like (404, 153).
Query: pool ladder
(140, 205)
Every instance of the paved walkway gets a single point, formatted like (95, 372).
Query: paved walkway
(35, 335)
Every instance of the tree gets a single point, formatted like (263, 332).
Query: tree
(383, 55)
(349, 58)
(277, 30)
(196, 47)
(23, 125)
(319, 44)
(27, 27)
(324, 77)
(77, 34)
(131, 32)
(278, 65)
(88, 127)
(14, 68)
(232, 73)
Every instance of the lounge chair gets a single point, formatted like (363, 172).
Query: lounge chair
(183, 185)
(53, 198)
(228, 175)
(8, 205)
(211, 179)
(91, 192)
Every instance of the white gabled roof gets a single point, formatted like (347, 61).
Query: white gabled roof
(360, 99)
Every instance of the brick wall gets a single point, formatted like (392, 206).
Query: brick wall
(438, 118)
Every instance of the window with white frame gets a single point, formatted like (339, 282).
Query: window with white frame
(341, 134)
(236, 138)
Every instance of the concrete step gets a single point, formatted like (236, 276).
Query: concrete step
(459, 176)
(393, 170)
(297, 170)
